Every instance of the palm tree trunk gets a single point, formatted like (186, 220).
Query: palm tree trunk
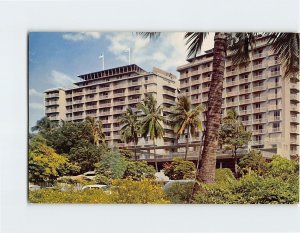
(135, 152)
(235, 162)
(155, 160)
(187, 143)
(207, 168)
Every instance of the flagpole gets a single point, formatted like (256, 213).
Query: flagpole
(103, 62)
(129, 56)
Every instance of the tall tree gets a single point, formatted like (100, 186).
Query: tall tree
(96, 129)
(43, 125)
(130, 128)
(285, 45)
(151, 121)
(233, 135)
(185, 119)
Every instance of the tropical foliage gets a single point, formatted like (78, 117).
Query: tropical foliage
(151, 120)
(137, 170)
(185, 119)
(180, 169)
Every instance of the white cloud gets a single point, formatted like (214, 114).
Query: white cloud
(80, 36)
(167, 52)
(34, 105)
(59, 79)
(33, 92)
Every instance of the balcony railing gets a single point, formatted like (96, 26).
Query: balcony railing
(258, 66)
(294, 97)
(91, 107)
(294, 130)
(120, 94)
(230, 104)
(104, 105)
(257, 110)
(294, 85)
(52, 95)
(119, 102)
(273, 62)
(244, 112)
(101, 89)
(274, 73)
(168, 101)
(257, 77)
(245, 69)
(78, 109)
(259, 99)
(256, 143)
(258, 55)
(92, 91)
(231, 83)
(51, 103)
(275, 130)
(258, 131)
(77, 93)
(245, 101)
(205, 89)
(295, 108)
(259, 88)
(77, 101)
(50, 110)
(134, 83)
(258, 121)
(244, 80)
(133, 101)
(169, 135)
(195, 91)
(244, 91)
(274, 107)
(78, 117)
(206, 79)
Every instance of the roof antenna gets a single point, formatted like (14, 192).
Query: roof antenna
(102, 57)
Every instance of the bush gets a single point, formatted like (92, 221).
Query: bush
(180, 169)
(138, 170)
(282, 167)
(253, 161)
(224, 175)
(180, 193)
(250, 189)
(55, 197)
(146, 191)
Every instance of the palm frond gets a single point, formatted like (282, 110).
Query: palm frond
(150, 35)
(194, 40)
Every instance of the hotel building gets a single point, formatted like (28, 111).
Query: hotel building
(267, 103)
(105, 95)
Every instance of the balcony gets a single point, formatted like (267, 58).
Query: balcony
(274, 73)
(90, 99)
(245, 69)
(195, 91)
(101, 89)
(91, 114)
(116, 128)
(245, 101)
(104, 105)
(274, 96)
(107, 129)
(246, 122)
(231, 83)
(276, 130)
(184, 85)
(257, 110)
(258, 131)
(134, 92)
(259, 99)
(294, 97)
(231, 73)
(91, 91)
(230, 104)
(70, 110)
(104, 97)
(206, 69)
(205, 89)
(231, 93)
(294, 141)
(105, 113)
(256, 143)
(108, 137)
(119, 94)
(134, 101)
(51, 110)
(77, 101)
(91, 107)
(274, 107)
(77, 93)
(244, 112)
(195, 72)
(274, 118)
(295, 108)
(48, 103)
(196, 101)
(69, 95)
(52, 95)
(54, 118)
(206, 79)
(117, 136)
(196, 81)
(78, 109)
(295, 119)
(119, 103)
(294, 86)
(80, 117)
(258, 77)
(259, 120)
(294, 130)
(274, 84)
(273, 62)
(134, 83)
(169, 101)
(118, 111)
(204, 98)
(258, 66)
(244, 80)
(258, 55)
(244, 91)
(259, 88)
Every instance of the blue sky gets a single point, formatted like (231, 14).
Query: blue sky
(56, 58)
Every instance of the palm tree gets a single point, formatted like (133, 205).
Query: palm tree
(96, 129)
(285, 45)
(185, 119)
(43, 125)
(130, 128)
(150, 121)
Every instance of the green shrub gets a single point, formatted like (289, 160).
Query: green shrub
(282, 167)
(54, 196)
(146, 191)
(253, 161)
(250, 189)
(138, 170)
(180, 193)
(224, 175)
(180, 169)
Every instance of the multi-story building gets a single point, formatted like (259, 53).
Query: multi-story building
(106, 94)
(266, 101)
